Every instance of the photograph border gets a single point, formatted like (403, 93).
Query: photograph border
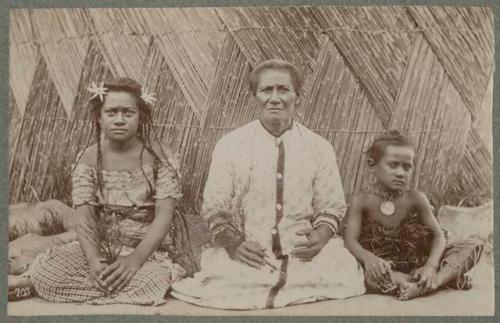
(4, 125)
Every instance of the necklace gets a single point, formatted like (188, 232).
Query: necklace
(387, 206)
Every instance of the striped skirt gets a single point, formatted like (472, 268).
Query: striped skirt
(62, 275)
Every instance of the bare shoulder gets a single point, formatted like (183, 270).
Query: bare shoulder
(366, 196)
(417, 197)
(416, 194)
(361, 200)
(89, 156)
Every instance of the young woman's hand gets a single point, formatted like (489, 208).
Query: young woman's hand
(118, 274)
(316, 240)
(378, 269)
(96, 268)
(249, 253)
(426, 277)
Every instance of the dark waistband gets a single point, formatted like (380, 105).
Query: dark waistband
(144, 213)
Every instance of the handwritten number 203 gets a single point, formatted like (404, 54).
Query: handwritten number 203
(22, 292)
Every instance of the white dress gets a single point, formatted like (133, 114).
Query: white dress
(286, 184)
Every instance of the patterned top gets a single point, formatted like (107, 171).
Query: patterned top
(127, 188)
(129, 193)
(243, 176)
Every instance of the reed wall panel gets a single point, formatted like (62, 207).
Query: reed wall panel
(426, 71)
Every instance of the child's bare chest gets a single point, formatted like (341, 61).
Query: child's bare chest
(375, 211)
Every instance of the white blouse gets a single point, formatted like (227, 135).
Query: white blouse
(243, 179)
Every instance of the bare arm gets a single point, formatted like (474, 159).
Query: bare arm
(84, 200)
(166, 195)
(375, 267)
(86, 232)
(438, 243)
(426, 275)
(118, 274)
(87, 236)
(353, 229)
(164, 214)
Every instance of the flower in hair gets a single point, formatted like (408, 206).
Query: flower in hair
(147, 97)
(98, 91)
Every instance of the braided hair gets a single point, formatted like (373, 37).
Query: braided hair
(391, 138)
(181, 250)
(145, 130)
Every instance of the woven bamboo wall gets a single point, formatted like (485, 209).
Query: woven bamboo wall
(426, 71)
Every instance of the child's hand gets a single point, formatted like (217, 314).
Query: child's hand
(118, 274)
(426, 277)
(96, 268)
(378, 269)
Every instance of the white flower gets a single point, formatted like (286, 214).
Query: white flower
(147, 97)
(98, 91)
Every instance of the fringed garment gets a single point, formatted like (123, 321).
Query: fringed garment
(408, 246)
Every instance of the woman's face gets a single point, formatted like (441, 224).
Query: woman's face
(119, 117)
(275, 96)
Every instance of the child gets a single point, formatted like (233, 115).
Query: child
(392, 231)
(125, 190)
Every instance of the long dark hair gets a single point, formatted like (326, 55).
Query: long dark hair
(145, 131)
(181, 251)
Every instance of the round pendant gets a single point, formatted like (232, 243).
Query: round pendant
(387, 208)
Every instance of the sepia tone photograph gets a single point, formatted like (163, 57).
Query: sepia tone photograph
(240, 161)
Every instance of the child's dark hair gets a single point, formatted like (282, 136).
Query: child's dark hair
(144, 132)
(391, 138)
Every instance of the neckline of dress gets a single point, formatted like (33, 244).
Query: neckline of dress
(125, 171)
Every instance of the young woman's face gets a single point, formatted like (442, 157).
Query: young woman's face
(119, 116)
(275, 95)
(394, 169)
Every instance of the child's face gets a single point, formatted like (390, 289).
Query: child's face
(394, 169)
(119, 116)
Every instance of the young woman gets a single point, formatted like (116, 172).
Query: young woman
(125, 190)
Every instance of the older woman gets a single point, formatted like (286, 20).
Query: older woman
(274, 201)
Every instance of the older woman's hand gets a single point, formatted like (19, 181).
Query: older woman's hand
(249, 253)
(316, 240)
